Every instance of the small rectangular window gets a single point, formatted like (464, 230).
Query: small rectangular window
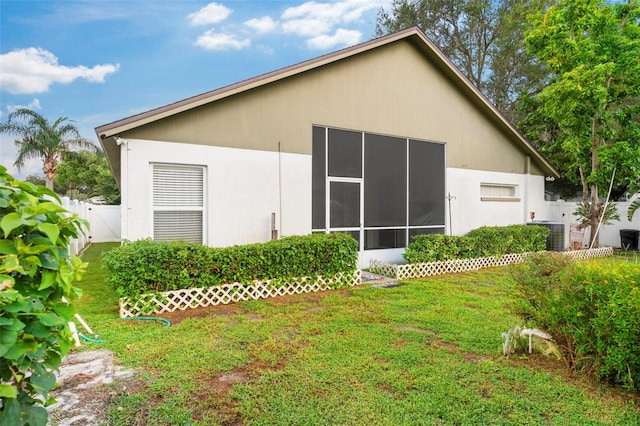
(178, 203)
(498, 192)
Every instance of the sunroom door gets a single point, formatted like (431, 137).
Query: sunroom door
(345, 207)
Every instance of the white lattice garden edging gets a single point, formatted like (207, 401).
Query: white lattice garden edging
(420, 270)
(175, 300)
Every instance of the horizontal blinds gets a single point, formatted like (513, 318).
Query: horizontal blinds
(178, 203)
(179, 186)
(177, 225)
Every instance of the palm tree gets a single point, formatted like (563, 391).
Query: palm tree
(40, 139)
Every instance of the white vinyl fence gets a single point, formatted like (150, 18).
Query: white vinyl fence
(104, 223)
(562, 212)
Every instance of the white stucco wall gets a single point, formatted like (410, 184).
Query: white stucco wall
(245, 186)
(468, 211)
(242, 190)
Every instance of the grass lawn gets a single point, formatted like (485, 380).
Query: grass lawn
(425, 353)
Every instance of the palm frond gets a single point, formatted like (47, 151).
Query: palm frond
(633, 208)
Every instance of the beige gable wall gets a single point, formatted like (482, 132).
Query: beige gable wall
(390, 90)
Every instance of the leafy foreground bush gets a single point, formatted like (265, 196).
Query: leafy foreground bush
(592, 310)
(147, 266)
(482, 242)
(36, 272)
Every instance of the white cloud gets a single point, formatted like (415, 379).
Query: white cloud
(316, 21)
(34, 105)
(33, 70)
(332, 13)
(218, 41)
(262, 25)
(341, 37)
(210, 14)
(306, 27)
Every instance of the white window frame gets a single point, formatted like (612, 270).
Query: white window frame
(499, 192)
(168, 208)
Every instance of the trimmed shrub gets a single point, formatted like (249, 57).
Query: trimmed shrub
(36, 273)
(500, 240)
(481, 242)
(591, 309)
(147, 266)
(435, 247)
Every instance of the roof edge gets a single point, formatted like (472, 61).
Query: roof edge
(159, 113)
(429, 48)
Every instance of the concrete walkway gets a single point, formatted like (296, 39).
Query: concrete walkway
(84, 393)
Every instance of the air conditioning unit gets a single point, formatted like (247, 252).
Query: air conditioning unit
(555, 240)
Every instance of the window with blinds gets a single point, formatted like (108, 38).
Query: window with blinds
(498, 192)
(178, 203)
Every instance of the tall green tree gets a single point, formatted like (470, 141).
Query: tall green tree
(38, 138)
(483, 38)
(590, 112)
(85, 174)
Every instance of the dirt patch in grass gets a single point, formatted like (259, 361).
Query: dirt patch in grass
(416, 329)
(220, 386)
(237, 308)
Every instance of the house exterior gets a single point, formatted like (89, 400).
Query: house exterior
(384, 140)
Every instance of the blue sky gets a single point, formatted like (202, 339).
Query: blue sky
(99, 61)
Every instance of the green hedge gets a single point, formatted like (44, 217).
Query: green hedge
(151, 266)
(591, 309)
(481, 242)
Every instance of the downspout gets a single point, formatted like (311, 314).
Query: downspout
(527, 170)
(280, 186)
(124, 186)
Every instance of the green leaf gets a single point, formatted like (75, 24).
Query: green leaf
(8, 338)
(16, 306)
(12, 324)
(8, 391)
(20, 347)
(51, 230)
(7, 247)
(51, 319)
(12, 221)
(52, 360)
(48, 279)
(49, 261)
(38, 330)
(65, 276)
(10, 414)
(49, 208)
(35, 415)
(43, 382)
(10, 263)
(65, 310)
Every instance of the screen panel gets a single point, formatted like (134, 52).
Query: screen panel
(318, 179)
(345, 205)
(385, 238)
(345, 153)
(426, 183)
(385, 181)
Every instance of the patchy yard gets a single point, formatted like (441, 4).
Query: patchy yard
(427, 352)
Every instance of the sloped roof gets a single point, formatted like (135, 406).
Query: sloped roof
(107, 132)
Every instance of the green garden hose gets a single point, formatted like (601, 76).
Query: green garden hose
(97, 340)
(89, 339)
(164, 320)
